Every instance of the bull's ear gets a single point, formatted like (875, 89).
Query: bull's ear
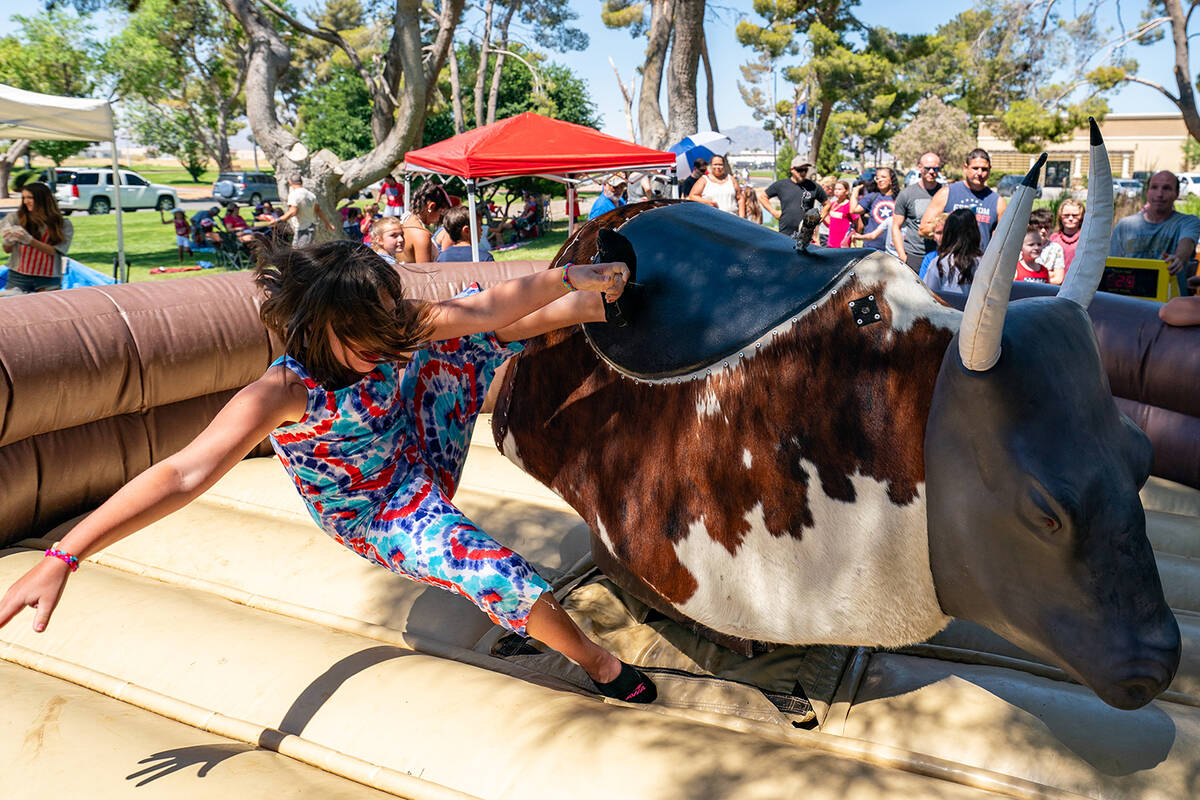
(1083, 277)
(983, 317)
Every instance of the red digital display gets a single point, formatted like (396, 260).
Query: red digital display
(1130, 281)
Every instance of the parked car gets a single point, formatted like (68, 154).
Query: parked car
(1126, 187)
(246, 187)
(1189, 183)
(1007, 183)
(91, 190)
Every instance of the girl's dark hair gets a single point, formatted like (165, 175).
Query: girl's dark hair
(430, 192)
(341, 287)
(45, 215)
(960, 247)
(1041, 218)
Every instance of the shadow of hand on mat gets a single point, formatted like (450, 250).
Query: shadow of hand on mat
(294, 721)
(206, 756)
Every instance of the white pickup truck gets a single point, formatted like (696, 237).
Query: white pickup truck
(91, 190)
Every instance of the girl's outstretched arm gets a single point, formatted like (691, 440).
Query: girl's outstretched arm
(504, 304)
(165, 487)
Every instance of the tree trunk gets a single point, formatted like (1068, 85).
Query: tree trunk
(685, 62)
(456, 95)
(269, 56)
(1187, 96)
(481, 72)
(650, 118)
(15, 151)
(708, 78)
(494, 91)
(224, 156)
(814, 147)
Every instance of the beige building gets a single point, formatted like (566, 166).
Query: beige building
(1136, 143)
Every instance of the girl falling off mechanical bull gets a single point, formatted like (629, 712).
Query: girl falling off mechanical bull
(371, 411)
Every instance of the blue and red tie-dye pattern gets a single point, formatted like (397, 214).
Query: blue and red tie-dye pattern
(378, 461)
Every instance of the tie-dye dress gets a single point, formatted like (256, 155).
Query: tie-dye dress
(377, 463)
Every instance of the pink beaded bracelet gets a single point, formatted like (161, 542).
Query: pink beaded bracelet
(566, 279)
(68, 559)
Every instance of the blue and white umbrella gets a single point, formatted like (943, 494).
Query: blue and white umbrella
(704, 144)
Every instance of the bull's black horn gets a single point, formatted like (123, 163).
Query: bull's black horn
(983, 318)
(1088, 265)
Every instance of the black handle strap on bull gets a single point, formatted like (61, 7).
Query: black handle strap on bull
(612, 246)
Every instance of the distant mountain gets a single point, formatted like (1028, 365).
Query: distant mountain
(747, 137)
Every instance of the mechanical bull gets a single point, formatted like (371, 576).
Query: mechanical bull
(809, 447)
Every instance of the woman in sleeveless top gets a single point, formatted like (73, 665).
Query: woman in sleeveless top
(719, 189)
(38, 237)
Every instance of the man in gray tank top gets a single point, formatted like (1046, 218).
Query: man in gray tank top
(971, 192)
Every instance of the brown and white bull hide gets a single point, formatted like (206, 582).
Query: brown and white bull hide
(778, 498)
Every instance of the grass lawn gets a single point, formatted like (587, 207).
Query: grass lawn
(149, 243)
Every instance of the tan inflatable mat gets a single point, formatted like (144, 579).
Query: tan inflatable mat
(238, 616)
(62, 740)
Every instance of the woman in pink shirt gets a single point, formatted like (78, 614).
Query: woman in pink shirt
(836, 214)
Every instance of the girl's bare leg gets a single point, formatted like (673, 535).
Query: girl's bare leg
(571, 309)
(548, 623)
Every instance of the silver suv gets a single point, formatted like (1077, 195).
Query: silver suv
(245, 187)
(91, 190)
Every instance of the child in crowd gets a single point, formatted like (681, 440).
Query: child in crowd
(457, 222)
(371, 411)
(1028, 266)
(826, 183)
(1052, 257)
(939, 227)
(958, 254)
(750, 201)
(387, 238)
(837, 214)
(352, 223)
(183, 230)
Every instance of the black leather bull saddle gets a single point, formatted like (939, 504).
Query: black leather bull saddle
(707, 284)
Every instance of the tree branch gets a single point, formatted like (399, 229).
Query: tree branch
(334, 38)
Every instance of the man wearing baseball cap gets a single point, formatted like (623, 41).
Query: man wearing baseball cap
(797, 194)
(611, 196)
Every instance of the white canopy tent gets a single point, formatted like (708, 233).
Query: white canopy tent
(30, 115)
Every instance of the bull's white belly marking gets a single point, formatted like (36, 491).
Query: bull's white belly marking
(860, 575)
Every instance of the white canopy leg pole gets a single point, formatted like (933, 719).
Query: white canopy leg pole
(474, 222)
(407, 193)
(122, 272)
(570, 207)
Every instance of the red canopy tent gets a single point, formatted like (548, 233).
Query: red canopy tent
(530, 144)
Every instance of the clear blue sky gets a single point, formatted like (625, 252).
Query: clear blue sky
(592, 65)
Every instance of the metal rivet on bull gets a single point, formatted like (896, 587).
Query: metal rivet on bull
(876, 316)
(726, 364)
(852, 304)
(859, 321)
(708, 372)
(870, 297)
(757, 345)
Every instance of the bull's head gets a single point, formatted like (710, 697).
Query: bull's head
(1036, 529)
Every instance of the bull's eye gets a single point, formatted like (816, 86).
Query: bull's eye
(1040, 513)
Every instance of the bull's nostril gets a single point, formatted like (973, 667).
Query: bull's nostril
(1139, 690)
